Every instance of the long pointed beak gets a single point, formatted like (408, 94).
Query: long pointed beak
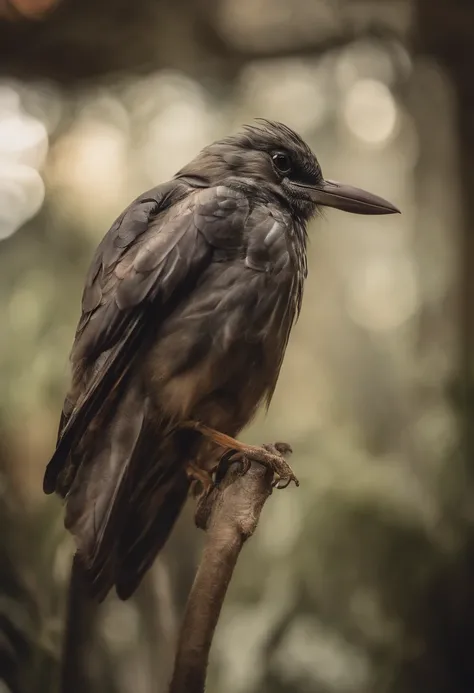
(332, 194)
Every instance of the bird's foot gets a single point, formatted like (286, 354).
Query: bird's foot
(202, 480)
(226, 460)
(271, 456)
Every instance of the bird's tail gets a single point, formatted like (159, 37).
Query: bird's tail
(126, 498)
(149, 525)
(143, 533)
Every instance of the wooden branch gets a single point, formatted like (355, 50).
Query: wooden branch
(229, 514)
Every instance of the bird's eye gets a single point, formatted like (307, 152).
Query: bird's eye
(282, 162)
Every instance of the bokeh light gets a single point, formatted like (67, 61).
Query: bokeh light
(90, 160)
(180, 124)
(382, 293)
(23, 150)
(291, 90)
(22, 193)
(370, 112)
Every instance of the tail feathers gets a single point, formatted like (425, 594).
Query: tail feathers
(124, 503)
(127, 571)
(135, 557)
(158, 495)
(94, 503)
(132, 546)
(127, 493)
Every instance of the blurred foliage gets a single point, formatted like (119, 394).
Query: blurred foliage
(360, 581)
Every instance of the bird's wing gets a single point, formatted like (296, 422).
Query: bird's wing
(148, 261)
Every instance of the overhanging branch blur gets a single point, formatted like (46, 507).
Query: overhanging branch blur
(76, 41)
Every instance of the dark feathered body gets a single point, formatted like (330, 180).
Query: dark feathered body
(213, 359)
(186, 314)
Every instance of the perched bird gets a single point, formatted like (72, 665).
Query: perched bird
(186, 314)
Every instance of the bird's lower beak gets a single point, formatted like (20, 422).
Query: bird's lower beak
(332, 194)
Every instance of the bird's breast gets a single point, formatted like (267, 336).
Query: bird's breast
(219, 354)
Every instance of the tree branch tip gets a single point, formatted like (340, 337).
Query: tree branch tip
(237, 500)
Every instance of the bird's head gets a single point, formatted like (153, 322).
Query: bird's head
(273, 161)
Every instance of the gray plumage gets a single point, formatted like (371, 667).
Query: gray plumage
(186, 314)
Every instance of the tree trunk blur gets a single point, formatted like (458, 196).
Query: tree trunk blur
(445, 31)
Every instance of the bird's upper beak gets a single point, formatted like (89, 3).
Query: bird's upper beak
(332, 194)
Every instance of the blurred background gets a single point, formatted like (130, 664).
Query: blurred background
(361, 580)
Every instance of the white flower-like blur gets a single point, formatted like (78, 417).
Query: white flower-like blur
(23, 149)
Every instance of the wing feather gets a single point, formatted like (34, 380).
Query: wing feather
(123, 284)
(147, 262)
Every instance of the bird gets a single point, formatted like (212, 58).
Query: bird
(186, 313)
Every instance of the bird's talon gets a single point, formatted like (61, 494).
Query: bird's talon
(198, 489)
(278, 464)
(283, 449)
(227, 459)
(271, 456)
(222, 467)
(245, 465)
(276, 481)
(280, 483)
(199, 478)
